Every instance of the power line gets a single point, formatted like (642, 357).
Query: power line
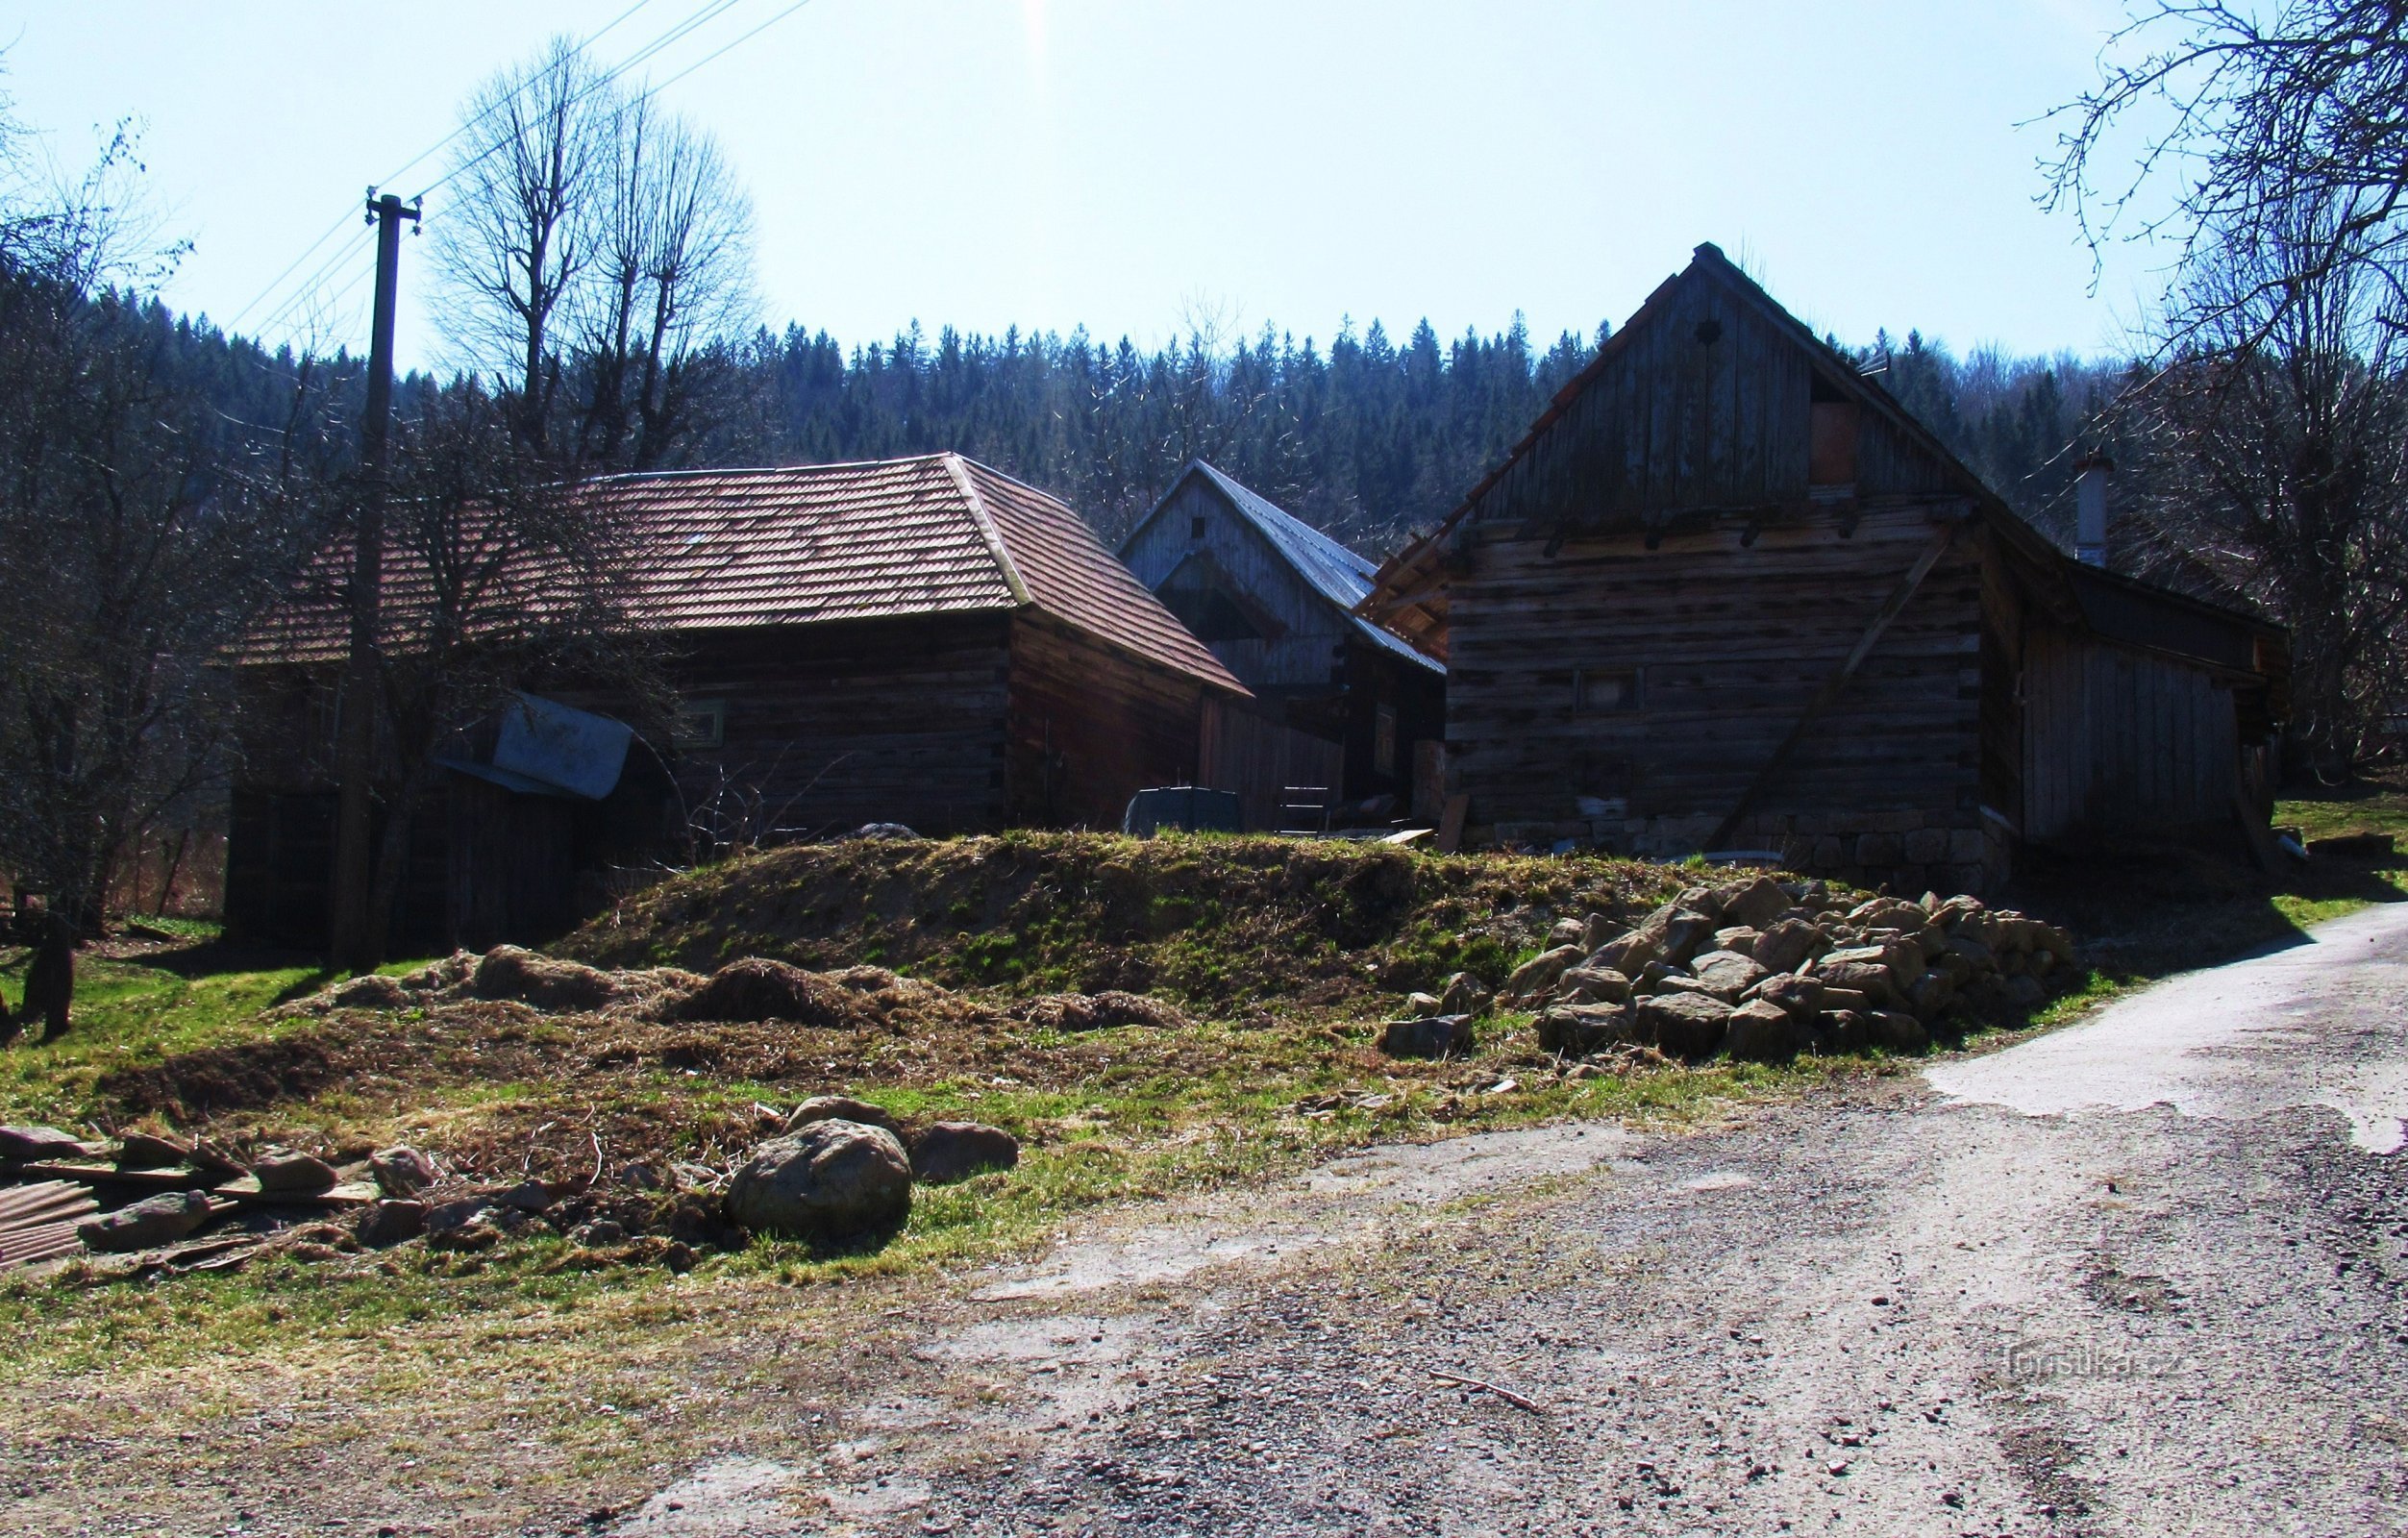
(709, 9)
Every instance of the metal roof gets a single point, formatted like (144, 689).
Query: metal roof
(1329, 568)
(709, 550)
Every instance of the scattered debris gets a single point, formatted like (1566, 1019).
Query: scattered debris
(1477, 1386)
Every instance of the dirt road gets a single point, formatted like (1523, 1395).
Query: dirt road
(2139, 1276)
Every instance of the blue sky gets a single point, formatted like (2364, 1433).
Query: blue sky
(1133, 166)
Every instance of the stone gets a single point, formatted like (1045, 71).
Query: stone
(1726, 973)
(1871, 978)
(1438, 1036)
(1930, 996)
(1566, 931)
(1588, 984)
(156, 1220)
(1926, 846)
(1878, 849)
(1843, 1000)
(597, 1233)
(1682, 1025)
(1741, 940)
(527, 1196)
(459, 1213)
(1700, 900)
(152, 1151)
(1539, 973)
(1843, 1030)
(289, 1174)
(1628, 955)
(1574, 1030)
(1755, 905)
(1760, 1031)
(1598, 928)
(1685, 935)
(509, 972)
(388, 1223)
(1799, 997)
(1422, 1005)
(841, 1107)
(2024, 991)
(1785, 944)
(1896, 1031)
(375, 991)
(1973, 952)
(830, 1179)
(758, 989)
(954, 1151)
(33, 1144)
(401, 1170)
(1463, 994)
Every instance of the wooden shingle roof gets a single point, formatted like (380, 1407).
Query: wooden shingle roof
(719, 550)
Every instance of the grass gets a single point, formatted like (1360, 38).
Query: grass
(1285, 975)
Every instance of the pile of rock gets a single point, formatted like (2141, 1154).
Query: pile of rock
(1762, 969)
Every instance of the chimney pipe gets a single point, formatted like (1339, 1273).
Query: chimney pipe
(2090, 502)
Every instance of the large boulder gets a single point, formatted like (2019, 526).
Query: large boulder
(1682, 1025)
(1726, 973)
(153, 1221)
(1784, 945)
(1588, 984)
(1867, 976)
(841, 1109)
(509, 972)
(1755, 905)
(759, 989)
(831, 1179)
(1761, 1031)
(1535, 978)
(1576, 1030)
(954, 1151)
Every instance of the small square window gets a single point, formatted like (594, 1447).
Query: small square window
(1195, 527)
(1604, 691)
(702, 723)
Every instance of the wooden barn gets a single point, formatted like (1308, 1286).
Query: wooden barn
(922, 641)
(1726, 594)
(1339, 702)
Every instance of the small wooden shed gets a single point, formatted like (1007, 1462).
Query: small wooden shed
(923, 641)
(1727, 594)
(1339, 702)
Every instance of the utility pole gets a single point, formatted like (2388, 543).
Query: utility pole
(355, 949)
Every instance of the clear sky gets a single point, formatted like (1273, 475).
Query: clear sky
(1130, 166)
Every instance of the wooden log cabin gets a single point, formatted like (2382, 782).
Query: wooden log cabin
(922, 641)
(1726, 594)
(1340, 706)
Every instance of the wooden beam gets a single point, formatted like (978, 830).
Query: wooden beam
(1891, 607)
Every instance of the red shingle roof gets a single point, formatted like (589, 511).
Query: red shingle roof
(815, 544)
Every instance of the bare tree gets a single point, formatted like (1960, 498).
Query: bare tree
(2214, 122)
(139, 529)
(595, 248)
(2274, 448)
(500, 575)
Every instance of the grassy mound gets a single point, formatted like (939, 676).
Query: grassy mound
(1225, 925)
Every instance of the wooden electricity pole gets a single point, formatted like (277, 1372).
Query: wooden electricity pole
(355, 949)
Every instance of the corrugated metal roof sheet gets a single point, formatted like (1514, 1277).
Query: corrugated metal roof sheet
(1332, 570)
(816, 544)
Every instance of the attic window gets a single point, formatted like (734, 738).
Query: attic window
(1209, 613)
(1195, 527)
(1709, 332)
(1831, 447)
(1604, 691)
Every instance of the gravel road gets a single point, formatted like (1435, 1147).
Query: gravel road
(2143, 1276)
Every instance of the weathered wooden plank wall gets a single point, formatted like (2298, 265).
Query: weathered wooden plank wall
(1303, 631)
(1726, 644)
(832, 727)
(2118, 738)
(1091, 726)
(1260, 759)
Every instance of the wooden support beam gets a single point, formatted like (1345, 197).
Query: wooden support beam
(1891, 607)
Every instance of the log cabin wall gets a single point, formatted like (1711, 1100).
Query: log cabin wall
(1091, 726)
(826, 727)
(2116, 738)
(1627, 697)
